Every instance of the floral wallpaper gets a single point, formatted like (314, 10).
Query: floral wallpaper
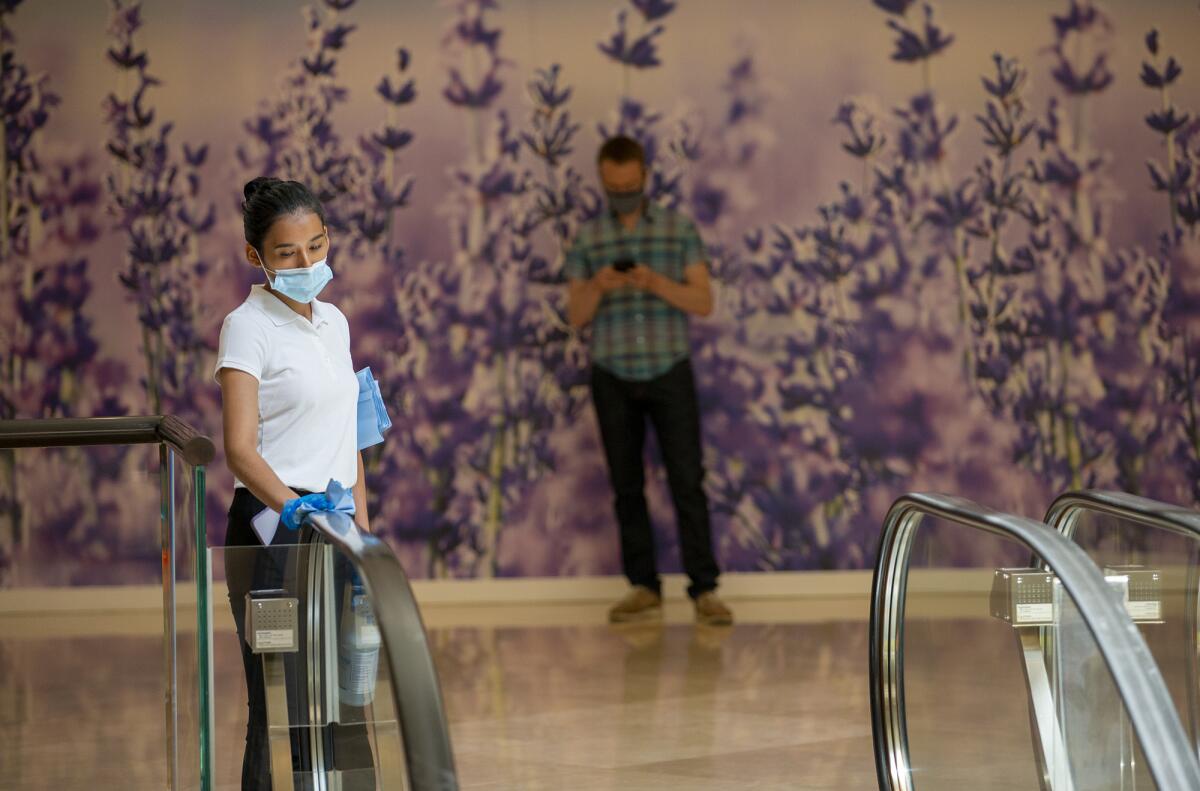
(956, 246)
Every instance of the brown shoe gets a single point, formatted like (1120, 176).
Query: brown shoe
(640, 604)
(711, 611)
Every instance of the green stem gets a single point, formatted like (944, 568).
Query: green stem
(1166, 104)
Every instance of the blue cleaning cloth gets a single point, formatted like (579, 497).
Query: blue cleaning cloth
(373, 418)
(335, 498)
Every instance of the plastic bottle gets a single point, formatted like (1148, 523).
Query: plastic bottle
(358, 649)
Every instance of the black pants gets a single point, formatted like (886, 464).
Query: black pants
(251, 566)
(622, 407)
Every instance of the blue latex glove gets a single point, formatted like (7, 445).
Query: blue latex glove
(373, 418)
(335, 498)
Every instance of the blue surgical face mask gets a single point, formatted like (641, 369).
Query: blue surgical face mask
(302, 285)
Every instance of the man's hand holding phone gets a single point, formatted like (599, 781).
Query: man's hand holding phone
(609, 279)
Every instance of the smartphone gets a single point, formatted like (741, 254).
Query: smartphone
(623, 264)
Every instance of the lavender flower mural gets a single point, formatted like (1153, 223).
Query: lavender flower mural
(50, 364)
(157, 206)
(943, 313)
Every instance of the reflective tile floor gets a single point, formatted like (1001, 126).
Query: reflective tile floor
(558, 701)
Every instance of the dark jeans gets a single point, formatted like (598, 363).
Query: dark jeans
(669, 402)
(251, 566)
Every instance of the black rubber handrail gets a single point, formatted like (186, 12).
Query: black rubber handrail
(195, 448)
(1066, 508)
(1064, 514)
(425, 731)
(1134, 671)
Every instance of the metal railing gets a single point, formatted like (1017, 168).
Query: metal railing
(1151, 710)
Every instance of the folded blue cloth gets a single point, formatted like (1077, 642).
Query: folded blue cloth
(373, 418)
(335, 498)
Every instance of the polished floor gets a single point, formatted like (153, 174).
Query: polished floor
(552, 698)
(560, 701)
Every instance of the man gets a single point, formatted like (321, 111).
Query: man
(636, 273)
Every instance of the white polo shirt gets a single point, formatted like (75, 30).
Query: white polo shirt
(307, 391)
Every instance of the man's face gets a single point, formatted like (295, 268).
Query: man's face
(622, 176)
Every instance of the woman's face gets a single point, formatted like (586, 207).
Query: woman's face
(294, 241)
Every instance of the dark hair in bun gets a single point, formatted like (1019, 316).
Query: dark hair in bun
(268, 199)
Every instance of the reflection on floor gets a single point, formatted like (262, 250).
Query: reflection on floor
(546, 704)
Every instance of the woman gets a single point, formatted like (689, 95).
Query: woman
(289, 405)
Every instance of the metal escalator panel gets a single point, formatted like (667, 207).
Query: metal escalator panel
(988, 672)
(343, 695)
(1155, 548)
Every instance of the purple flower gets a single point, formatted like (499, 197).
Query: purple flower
(1003, 130)
(460, 94)
(126, 58)
(641, 53)
(1081, 17)
(1177, 181)
(474, 31)
(1153, 78)
(545, 91)
(319, 65)
(334, 38)
(912, 46)
(1166, 121)
(1095, 79)
(195, 157)
(653, 10)
(864, 141)
(1009, 79)
(1189, 209)
(392, 139)
(897, 7)
(924, 134)
(125, 20)
(398, 96)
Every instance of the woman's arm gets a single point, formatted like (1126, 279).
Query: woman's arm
(239, 417)
(360, 497)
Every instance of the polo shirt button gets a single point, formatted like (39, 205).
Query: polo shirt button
(640, 317)
(641, 339)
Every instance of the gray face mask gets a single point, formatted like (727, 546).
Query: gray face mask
(625, 202)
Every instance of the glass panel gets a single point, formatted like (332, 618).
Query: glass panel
(81, 689)
(1162, 571)
(183, 680)
(332, 695)
(987, 705)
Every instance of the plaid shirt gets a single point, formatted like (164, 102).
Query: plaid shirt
(636, 335)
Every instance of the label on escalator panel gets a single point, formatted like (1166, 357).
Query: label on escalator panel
(1034, 613)
(1144, 610)
(274, 638)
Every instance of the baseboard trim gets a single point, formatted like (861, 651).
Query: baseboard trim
(434, 593)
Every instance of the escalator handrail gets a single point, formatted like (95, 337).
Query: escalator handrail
(196, 449)
(1135, 673)
(1064, 511)
(424, 729)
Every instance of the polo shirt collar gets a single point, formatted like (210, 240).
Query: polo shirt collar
(280, 313)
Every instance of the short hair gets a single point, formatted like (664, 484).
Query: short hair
(621, 149)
